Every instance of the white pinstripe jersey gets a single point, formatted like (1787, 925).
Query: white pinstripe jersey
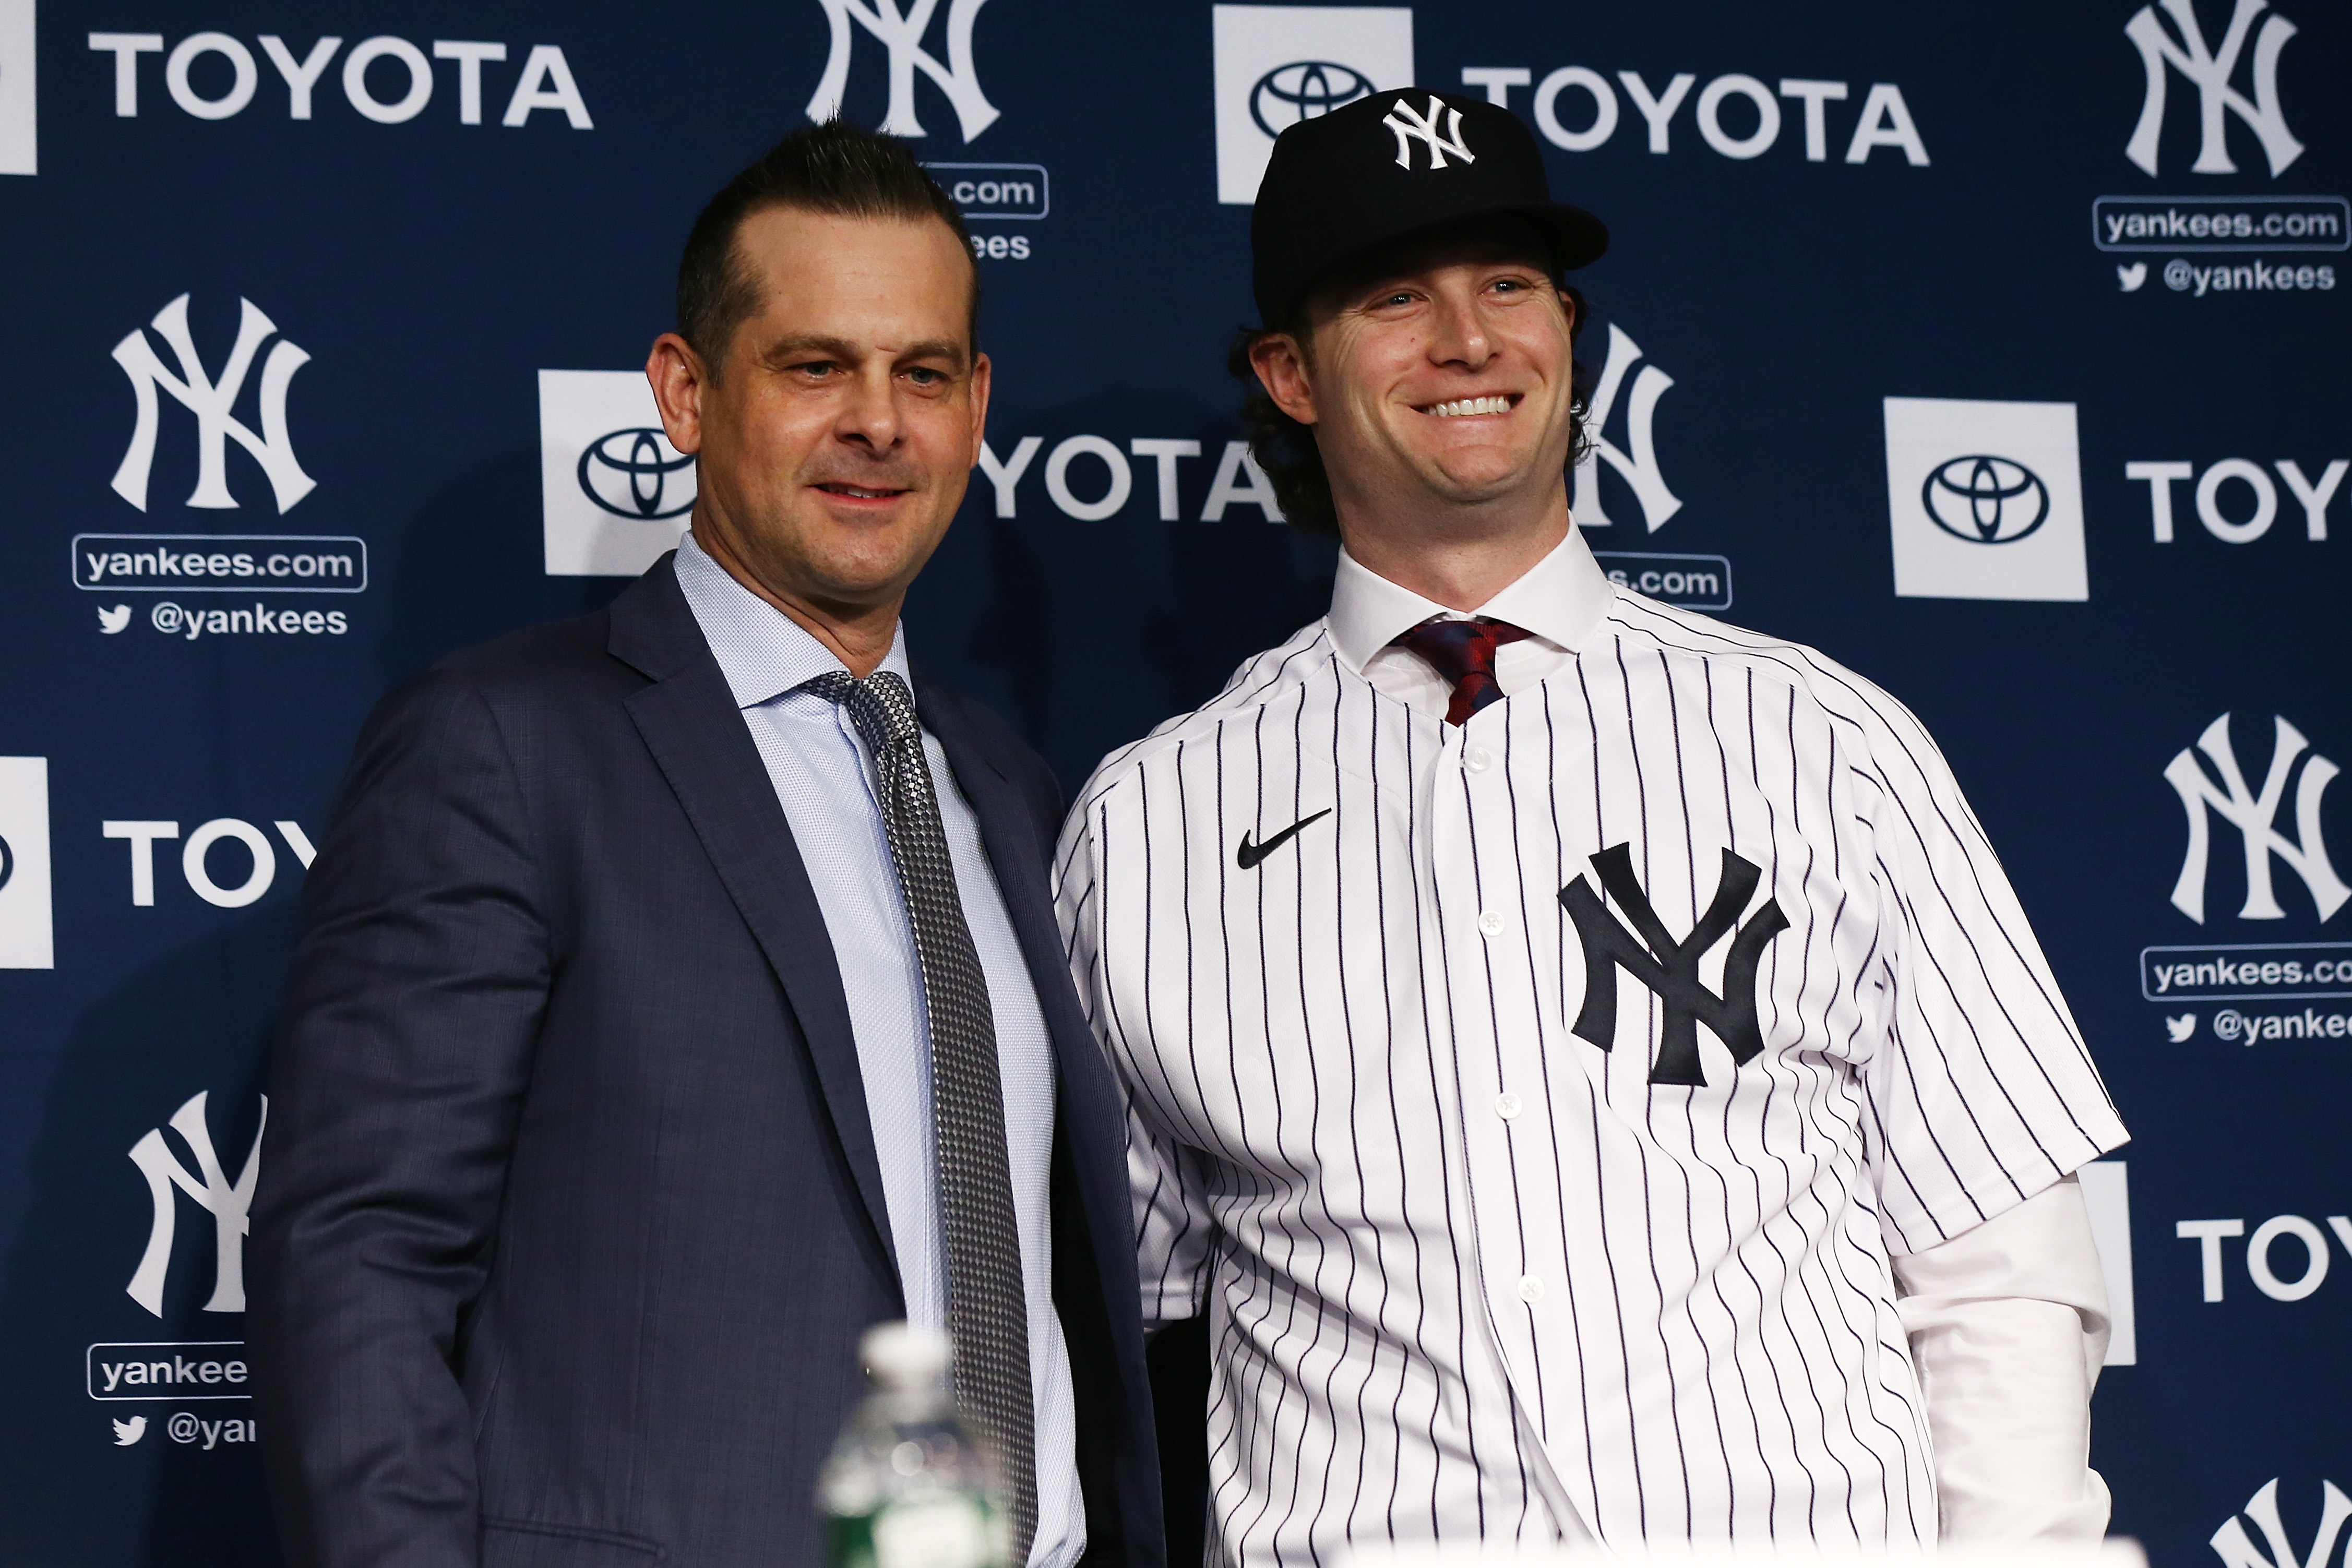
(1455, 1255)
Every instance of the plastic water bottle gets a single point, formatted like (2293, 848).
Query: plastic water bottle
(908, 1486)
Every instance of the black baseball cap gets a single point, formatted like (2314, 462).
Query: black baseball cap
(1392, 163)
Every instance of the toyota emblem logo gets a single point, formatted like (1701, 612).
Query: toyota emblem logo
(637, 473)
(1986, 500)
(1304, 89)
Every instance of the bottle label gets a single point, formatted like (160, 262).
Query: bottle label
(941, 1532)
(949, 1532)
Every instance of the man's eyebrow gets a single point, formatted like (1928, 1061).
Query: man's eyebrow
(816, 345)
(810, 344)
(935, 349)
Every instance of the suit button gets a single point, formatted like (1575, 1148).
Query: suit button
(1491, 924)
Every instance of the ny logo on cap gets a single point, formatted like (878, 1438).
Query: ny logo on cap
(1410, 126)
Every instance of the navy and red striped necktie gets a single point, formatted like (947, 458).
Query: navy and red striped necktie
(1462, 651)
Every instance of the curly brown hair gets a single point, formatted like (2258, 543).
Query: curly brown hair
(1285, 449)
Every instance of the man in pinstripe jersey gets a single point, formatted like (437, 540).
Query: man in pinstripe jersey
(1583, 1058)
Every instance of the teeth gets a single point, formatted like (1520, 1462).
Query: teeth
(1468, 405)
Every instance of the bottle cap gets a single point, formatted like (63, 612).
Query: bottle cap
(902, 1357)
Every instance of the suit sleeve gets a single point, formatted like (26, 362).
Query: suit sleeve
(1981, 1092)
(1172, 1222)
(398, 1070)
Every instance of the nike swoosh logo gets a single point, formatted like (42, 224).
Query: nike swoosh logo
(1247, 854)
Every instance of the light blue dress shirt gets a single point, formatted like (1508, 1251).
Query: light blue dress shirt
(823, 777)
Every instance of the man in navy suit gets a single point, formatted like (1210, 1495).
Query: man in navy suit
(678, 995)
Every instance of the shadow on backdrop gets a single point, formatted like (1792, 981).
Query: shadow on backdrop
(194, 1021)
(472, 566)
(1015, 610)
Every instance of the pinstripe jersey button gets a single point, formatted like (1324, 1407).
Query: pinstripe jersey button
(1507, 1105)
(1491, 924)
(1478, 759)
(1530, 1288)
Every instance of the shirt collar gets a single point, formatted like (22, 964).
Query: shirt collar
(1561, 599)
(762, 652)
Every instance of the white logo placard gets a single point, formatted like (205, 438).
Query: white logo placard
(1276, 65)
(19, 138)
(1985, 499)
(24, 934)
(2107, 1195)
(617, 494)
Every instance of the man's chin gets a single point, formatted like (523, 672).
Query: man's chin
(870, 568)
(1475, 483)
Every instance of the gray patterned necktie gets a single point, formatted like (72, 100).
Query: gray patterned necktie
(987, 1315)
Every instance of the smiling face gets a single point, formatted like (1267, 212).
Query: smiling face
(835, 441)
(1438, 380)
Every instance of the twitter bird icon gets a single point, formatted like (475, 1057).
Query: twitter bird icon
(2131, 277)
(129, 1432)
(111, 622)
(2181, 1027)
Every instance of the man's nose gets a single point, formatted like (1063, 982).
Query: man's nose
(870, 416)
(1461, 336)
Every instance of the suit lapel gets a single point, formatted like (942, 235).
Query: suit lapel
(1008, 835)
(1104, 1335)
(692, 726)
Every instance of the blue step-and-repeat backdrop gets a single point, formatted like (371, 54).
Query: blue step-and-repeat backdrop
(1998, 350)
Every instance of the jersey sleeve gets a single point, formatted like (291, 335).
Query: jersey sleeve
(1982, 1093)
(1173, 1226)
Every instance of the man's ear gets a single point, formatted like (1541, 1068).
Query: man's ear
(1281, 365)
(982, 374)
(679, 379)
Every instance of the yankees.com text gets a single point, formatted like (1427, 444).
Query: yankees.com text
(2245, 972)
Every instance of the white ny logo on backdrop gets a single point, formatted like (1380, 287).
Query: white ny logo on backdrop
(902, 34)
(2253, 816)
(225, 1200)
(210, 400)
(1410, 128)
(1638, 469)
(2210, 71)
(2236, 1549)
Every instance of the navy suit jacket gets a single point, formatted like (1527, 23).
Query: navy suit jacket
(570, 1217)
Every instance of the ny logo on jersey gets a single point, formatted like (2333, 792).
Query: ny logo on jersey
(1651, 955)
(1410, 128)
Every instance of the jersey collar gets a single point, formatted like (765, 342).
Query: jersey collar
(1561, 599)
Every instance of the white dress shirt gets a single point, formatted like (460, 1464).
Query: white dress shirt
(823, 778)
(1472, 1275)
